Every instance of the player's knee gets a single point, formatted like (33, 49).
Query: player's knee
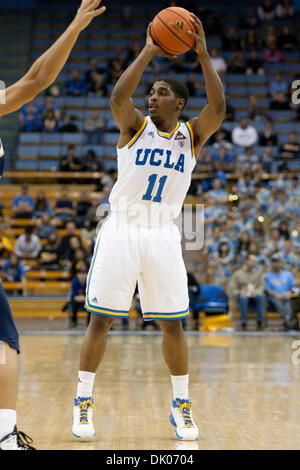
(100, 323)
(171, 327)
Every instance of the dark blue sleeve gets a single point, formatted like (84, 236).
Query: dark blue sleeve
(74, 288)
(2, 162)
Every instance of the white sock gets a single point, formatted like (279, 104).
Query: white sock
(85, 383)
(8, 421)
(180, 386)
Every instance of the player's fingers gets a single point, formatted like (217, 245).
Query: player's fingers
(196, 18)
(196, 36)
(197, 26)
(99, 11)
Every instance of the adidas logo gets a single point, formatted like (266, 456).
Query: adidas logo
(180, 136)
(151, 133)
(95, 300)
(177, 25)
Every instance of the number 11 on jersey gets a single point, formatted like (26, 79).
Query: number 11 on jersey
(152, 180)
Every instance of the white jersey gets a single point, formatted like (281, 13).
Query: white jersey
(154, 174)
(1, 149)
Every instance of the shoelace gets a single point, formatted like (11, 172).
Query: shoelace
(24, 441)
(185, 410)
(84, 406)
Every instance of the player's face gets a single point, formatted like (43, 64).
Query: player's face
(162, 101)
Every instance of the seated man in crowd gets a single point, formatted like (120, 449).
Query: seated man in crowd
(247, 286)
(64, 209)
(48, 256)
(280, 289)
(27, 245)
(14, 271)
(23, 205)
(244, 135)
(78, 294)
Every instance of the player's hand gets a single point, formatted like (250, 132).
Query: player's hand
(156, 50)
(87, 11)
(200, 44)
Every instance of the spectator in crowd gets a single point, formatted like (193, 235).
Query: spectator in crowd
(246, 182)
(50, 106)
(218, 194)
(91, 163)
(250, 20)
(91, 74)
(64, 209)
(247, 286)
(94, 128)
(99, 86)
(23, 204)
(258, 233)
(195, 88)
(266, 11)
(133, 52)
(49, 255)
(30, 117)
(255, 110)
(82, 207)
(194, 291)
(76, 86)
(280, 103)
(44, 227)
(284, 231)
(75, 245)
(244, 135)
(213, 242)
(218, 62)
(50, 122)
(251, 41)
(290, 149)
(237, 64)
(254, 65)
(295, 238)
(222, 160)
(88, 233)
(27, 245)
(279, 287)
(116, 68)
(41, 205)
(278, 85)
(295, 193)
(221, 262)
(221, 137)
(230, 112)
(272, 53)
(242, 243)
(284, 9)
(263, 197)
(6, 246)
(281, 208)
(79, 257)
(268, 160)
(253, 249)
(78, 288)
(14, 271)
(274, 242)
(248, 158)
(70, 162)
(231, 40)
(64, 245)
(268, 136)
(287, 40)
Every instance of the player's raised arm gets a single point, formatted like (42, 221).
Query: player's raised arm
(46, 68)
(128, 118)
(212, 115)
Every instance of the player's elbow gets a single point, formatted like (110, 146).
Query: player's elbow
(42, 82)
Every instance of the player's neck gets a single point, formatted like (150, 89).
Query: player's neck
(165, 125)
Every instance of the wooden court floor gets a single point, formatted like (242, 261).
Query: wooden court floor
(245, 393)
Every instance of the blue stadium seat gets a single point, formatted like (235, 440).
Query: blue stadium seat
(97, 102)
(98, 149)
(49, 151)
(284, 126)
(26, 165)
(29, 137)
(75, 101)
(255, 78)
(28, 150)
(282, 115)
(51, 138)
(212, 299)
(283, 138)
(237, 90)
(239, 102)
(50, 165)
(76, 138)
(111, 138)
(110, 164)
(258, 90)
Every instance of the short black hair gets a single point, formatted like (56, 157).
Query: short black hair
(179, 88)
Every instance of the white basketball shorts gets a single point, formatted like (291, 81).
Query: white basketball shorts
(126, 254)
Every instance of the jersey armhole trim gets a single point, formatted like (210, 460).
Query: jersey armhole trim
(138, 134)
(191, 133)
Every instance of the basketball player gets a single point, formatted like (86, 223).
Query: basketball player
(41, 75)
(139, 241)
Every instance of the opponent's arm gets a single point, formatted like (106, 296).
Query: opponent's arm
(212, 115)
(46, 68)
(128, 118)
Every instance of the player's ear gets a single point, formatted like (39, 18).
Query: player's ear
(180, 104)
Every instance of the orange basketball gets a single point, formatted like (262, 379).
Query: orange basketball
(169, 30)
